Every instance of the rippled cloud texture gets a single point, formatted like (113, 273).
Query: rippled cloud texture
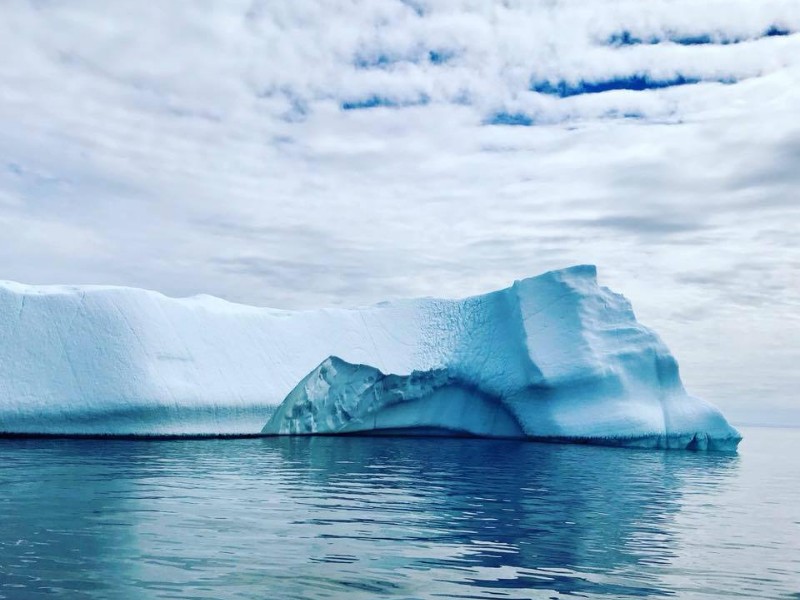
(299, 154)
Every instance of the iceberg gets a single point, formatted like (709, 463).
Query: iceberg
(555, 357)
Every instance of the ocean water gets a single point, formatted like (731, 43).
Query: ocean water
(361, 517)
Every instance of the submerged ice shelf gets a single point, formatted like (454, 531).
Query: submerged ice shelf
(552, 357)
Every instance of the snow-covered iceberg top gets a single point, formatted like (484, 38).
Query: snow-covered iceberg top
(555, 356)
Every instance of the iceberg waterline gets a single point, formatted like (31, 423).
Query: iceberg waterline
(551, 357)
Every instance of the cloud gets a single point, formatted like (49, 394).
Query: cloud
(774, 173)
(659, 225)
(304, 154)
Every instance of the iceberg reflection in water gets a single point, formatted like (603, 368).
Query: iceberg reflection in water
(322, 517)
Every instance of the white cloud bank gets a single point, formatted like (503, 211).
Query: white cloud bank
(298, 154)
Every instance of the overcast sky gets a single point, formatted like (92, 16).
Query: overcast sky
(300, 154)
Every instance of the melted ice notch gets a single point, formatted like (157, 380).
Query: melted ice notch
(339, 397)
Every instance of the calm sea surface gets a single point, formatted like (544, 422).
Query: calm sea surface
(402, 518)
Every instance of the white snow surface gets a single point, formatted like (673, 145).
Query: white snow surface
(553, 356)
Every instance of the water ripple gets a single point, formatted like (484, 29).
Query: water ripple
(404, 518)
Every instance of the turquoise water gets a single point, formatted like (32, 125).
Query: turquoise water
(400, 518)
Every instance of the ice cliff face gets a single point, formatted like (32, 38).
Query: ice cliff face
(555, 356)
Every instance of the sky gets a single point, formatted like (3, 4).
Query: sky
(299, 154)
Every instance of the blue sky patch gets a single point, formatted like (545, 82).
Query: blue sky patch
(380, 61)
(506, 118)
(626, 38)
(440, 57)
(638, 83)
(385, 60)
(378, 101)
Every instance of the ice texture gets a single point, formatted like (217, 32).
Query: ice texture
(551, 357)
(339, 397)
